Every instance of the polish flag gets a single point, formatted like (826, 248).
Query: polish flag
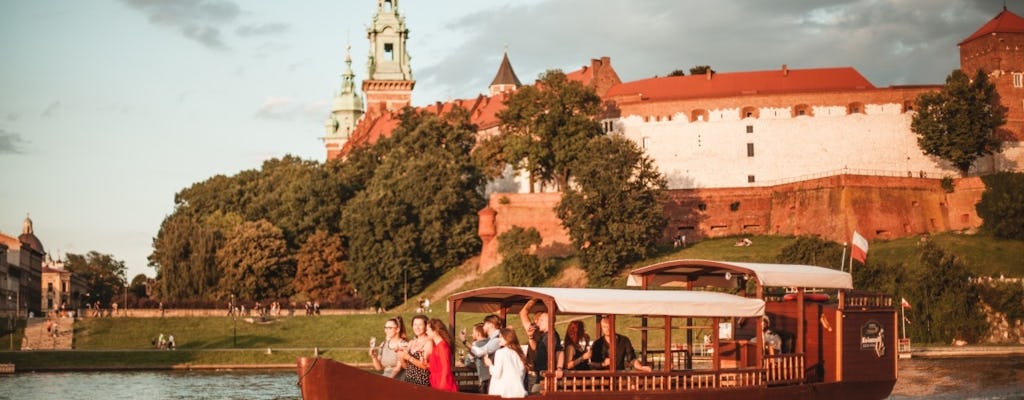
(904, 303)
(859, 250)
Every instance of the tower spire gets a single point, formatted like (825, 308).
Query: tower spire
(345, 111)
(388, 85)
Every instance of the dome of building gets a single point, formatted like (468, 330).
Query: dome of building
(29, 238)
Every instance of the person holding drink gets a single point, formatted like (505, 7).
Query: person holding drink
(413, 359)
(385, 357)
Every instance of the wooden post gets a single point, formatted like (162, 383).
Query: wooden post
(668, 344)
(611, 343)
(800, 321)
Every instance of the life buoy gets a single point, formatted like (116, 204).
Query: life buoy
(818, 297)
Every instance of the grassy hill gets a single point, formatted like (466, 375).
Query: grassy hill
(127, 342)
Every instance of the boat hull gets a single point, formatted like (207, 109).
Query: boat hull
(325, 379)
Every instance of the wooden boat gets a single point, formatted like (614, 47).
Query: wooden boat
(840, 350)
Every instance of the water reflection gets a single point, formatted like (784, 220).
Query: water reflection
(152, 385)
(955, 378)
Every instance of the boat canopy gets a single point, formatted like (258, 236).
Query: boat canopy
(611, 301)
(678, 272)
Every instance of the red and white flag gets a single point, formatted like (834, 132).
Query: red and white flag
(904, 303)
(859, 250)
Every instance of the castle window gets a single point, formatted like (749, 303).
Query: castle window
(1018, 80)
(855, 108)
(647, 143)
(801, 109)
(387, 5)
(750, 149)
(389, 52)
(750, 179)
(749, 112)
(750, 129)
(908, 106)
(698, 115)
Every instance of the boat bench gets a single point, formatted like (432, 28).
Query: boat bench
(466, 379)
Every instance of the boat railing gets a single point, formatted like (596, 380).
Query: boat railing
(784, 369)
(868, 300)
(631, 381)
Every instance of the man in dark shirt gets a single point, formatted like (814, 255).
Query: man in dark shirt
(600, 357)
(537, 331)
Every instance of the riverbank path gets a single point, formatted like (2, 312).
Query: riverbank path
(60, 336)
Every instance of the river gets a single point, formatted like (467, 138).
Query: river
(991, 378)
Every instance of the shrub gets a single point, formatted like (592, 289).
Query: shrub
(1002, 205)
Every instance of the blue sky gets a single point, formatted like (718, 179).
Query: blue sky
(110, 107)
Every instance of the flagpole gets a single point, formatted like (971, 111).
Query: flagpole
(842, 260)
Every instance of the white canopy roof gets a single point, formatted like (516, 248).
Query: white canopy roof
(614, 301)
(769, 275)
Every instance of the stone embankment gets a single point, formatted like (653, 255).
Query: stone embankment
(966, 351)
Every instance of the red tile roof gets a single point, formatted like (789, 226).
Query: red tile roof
(741, 83)
(483, 113)
(584, 75)
(1004, 22)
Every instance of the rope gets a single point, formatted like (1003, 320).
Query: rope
(299, 383)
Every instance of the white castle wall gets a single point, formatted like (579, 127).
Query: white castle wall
(710, 154)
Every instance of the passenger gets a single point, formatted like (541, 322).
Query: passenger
(600, 357)
(385, 356)
(577, 347)
(508, 368)
(413, 359)
(439, 362)
(491, 343)
(537, 355)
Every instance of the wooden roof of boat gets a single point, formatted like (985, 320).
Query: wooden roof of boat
(708, 272)
(611, 301)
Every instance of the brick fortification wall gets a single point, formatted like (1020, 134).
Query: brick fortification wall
(830, 207)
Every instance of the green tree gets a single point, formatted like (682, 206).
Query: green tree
(138, 286)
(255, 263)
(701, 70)
(105, 277)
(810, 250)
(958, 123)
(520, 267)
(546, 126)
(614, 212)
(416, 217)
(320, 269)
(677, 72)
(185, 259)
(945, 302)
(1002, 205)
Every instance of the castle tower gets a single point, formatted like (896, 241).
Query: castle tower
(345, 111)
(998, 49)
(505, 80)
(388, 85)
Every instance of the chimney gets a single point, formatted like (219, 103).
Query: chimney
(707, 73)
(785, 70)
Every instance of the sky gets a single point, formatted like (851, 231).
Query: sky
(110, 107)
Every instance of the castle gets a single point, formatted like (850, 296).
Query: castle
(818, 151)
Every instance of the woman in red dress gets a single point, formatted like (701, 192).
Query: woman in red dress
(439, 362)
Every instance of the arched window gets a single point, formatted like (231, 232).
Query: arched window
(749, 112)
(802, 109)
(855, 108)
(698, 115)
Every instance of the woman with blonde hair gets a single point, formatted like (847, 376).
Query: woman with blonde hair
(508, 368)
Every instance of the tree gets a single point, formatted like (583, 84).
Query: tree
(944, 300)
(546, 126)
(320, 268)
(518, 265)
(1002, 205)
(958, 123)
(255, 263)
(138, 286)
(614, 211)
(185, 259)
(416, 216)
(701, 70)
(677, 72)
(104, 276)
(810, 250)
